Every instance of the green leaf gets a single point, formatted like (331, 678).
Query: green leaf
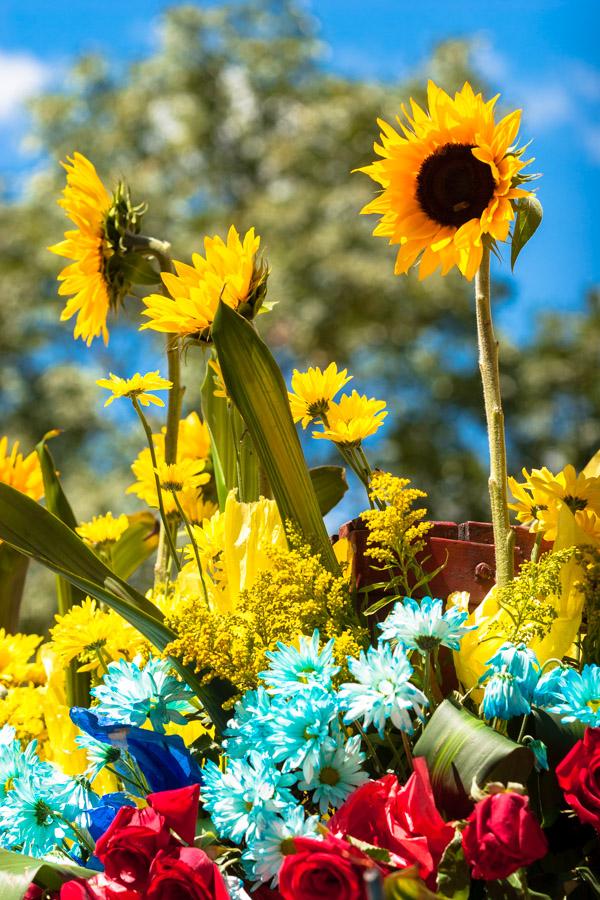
(13, 572)
(513, 887)
(379, 854)
(135, 545)
(586, 874)
(223, 422)
(454, 874)
(77, 684)
(36, 532)
(256, 386)
(137, 269)
(406, 885)
(545, 794)
(459, 749)
(18, 871)
(529, 215)
(330, 485)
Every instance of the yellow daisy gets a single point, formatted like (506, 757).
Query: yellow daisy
(530, 503)
(353, 419)
(448, 179)
(87, 203)
(193, 439)
(16, 651)
(94, 637)
(577, 491)
(227, 272)
(313, 391)
(21, 472)
(136, 387)
(196, 508)
(187, 474)
(103, 529)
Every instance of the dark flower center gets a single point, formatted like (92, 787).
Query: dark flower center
(453, 186)
(575, 504)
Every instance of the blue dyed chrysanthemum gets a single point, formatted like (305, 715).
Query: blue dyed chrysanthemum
(292, 669)
(303, 728)
(503, 698)
(31, 817)
(383, 690)
(15, 762)
(424, 625)
(250, 728)
(246, 797)
(338, 773)
(580, 696)
(520, 662)
(266, 851)
(98, 754)
(131, 695)
(549, 689)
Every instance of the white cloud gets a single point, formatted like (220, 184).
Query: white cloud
(546, 106)
(21, 76)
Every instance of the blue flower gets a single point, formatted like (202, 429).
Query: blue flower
(580, 700)
(250, 728)
(31, 819)
(540, 752)
(15, 762)
(101, 815)
(163, 758)
(338, 773)
(99, 754)
(74, 796)
(503, 698)
(291, 669)
(131, 695)
(302, 729)
(549, 689)
(266, 851)
(383, 690)
(424, 626)
(246, 797)
(520, 662)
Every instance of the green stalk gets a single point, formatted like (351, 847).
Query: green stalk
(490, 376)
(188, 528)
(161, 506)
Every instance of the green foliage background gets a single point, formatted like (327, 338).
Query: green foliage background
(235, 119)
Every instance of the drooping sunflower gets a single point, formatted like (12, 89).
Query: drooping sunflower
(94, 281)
(228, 271)
(449, 181)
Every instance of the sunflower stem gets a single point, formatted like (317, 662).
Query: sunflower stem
(490, 376)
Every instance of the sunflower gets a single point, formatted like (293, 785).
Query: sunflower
(94, 280)
(21, 472)
(313, 391)
(448, 181)
(351, 420)
(227, 272)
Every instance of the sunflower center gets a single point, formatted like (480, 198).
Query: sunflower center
(453, 186)
(575, 504)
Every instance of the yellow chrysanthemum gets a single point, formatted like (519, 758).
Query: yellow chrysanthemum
(196, 508)
(21, 708)
(313, 390)
(103, 529)
(530, 503)
(544, 494)
(86, 202)
(136, 388)
(228, 272)
(187, 474)
(193, 439)
(21, 472)
(353, 419)
(448, 181)
(93, 637)
(16, 651)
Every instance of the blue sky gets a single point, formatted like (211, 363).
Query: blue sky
(541, 54)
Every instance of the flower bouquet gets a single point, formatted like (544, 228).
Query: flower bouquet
(264, 710)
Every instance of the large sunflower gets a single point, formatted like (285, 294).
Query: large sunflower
(448, 181)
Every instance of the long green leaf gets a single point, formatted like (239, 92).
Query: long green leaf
(13, 572)
(135, 545)
(256, 386)
(18, 871)
(330, 486)
(35, 531)
(529, 216)
(459, 749)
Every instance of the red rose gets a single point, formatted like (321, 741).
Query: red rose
(331, 869)
(179, 808)
(404, 820)
(34, 892)
(579, 777)
(97, 888)
(130, 843)
(501, 835)
(183, 873)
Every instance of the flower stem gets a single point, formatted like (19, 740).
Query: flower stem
(161, 506)
(188, 528)
(490, 376)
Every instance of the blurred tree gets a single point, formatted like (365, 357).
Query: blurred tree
(235, 119)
